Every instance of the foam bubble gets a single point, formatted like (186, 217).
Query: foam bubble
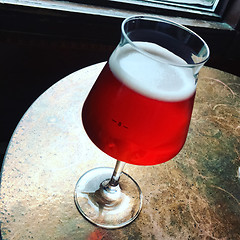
(149, 76)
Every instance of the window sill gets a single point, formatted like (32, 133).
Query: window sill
(62, 7)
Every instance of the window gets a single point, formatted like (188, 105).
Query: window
(213, 14)
(209, 5)
(204, 9)
(208, 9)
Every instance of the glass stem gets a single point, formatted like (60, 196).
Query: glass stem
(116, 173)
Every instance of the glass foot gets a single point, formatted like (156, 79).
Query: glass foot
(104, 205)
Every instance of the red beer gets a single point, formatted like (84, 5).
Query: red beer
(140, 107)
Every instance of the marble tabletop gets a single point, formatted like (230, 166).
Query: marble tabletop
(196, 195)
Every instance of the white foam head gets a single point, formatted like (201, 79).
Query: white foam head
(150, 73)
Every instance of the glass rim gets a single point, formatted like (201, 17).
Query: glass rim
(170, 22)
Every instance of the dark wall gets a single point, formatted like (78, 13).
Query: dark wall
(29, 67)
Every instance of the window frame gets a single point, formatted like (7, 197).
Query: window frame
(159, 8)
(227, 12)
(168, 8)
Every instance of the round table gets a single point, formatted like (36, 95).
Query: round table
(196, 195)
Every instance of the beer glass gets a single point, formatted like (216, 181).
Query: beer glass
(138, 112)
